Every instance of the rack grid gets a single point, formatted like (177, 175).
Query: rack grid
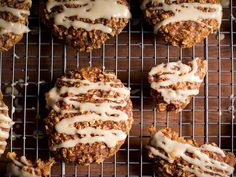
(30, 69)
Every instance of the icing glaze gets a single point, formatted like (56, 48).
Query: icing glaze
(109, 137)
(87, 85)
(210, 148)
(173, 73)
(103, 110)
(88, 9)
(54, 95)
(16, 12)
(202, 164)
(186, 12)
(10, 27)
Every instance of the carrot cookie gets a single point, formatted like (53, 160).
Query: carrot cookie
(176, 156)
(13, 18)
(21, 167)
(183, 22)
(90, 117)
(5, 125)
(174, 84)
(85, 24)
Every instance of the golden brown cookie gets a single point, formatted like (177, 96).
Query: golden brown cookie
(22, 167)
(90, 116)
(86, 24)
(183, 23)
(5, 125)
(179, 157)
(13, 18)
(174, 84)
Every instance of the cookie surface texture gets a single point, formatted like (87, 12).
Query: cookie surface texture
(183, 23)
(85, 24)
(13, 18)
(90, 117)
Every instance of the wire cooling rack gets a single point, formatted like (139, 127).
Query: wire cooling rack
(32, 66)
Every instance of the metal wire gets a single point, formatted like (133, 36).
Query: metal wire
(39, 59)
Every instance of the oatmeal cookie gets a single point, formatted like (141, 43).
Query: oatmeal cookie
(86, 24)
(174, 84)
(13, 18)
(90, 116)
(176, 156)
(183, 22)
(5, 125)
(21, 167)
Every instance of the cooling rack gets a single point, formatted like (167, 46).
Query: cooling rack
(30, 69)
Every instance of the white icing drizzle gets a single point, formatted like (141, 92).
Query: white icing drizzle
(5, 125)
(210, 148)
(16, 12)
(186, 12)
(87, 111)
(87, 86)
(201, 162)
(10, 27)
(88, 9)
(172, 76)
(13, 27)
(18, 168)
(109, 137)
(103, 111)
